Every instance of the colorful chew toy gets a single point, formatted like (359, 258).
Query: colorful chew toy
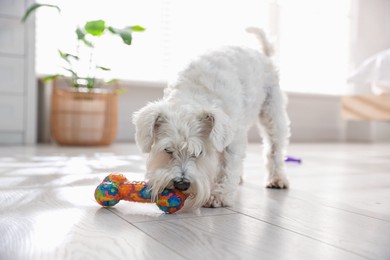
(116, 187)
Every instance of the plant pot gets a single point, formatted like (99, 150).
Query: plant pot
(83, 116)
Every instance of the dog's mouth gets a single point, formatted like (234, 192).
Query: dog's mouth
(189, 191)
(196, 194)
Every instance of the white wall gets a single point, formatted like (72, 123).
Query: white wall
(17, 74)
(370, 29)
(369, 35)
(314, 118)
(135, 98)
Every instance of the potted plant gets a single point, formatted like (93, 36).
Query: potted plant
(84, 108)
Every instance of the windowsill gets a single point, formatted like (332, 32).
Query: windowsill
(129, 83)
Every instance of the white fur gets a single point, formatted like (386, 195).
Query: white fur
(198, 131)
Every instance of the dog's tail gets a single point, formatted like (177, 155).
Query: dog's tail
(268, 49)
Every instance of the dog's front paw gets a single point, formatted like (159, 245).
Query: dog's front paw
(214, 202)
(278, 182)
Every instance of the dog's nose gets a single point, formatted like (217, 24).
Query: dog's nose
(181, 184)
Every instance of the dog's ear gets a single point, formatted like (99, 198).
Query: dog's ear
(146, 120)
(218, 127)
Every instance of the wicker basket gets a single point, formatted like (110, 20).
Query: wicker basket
(83, 117)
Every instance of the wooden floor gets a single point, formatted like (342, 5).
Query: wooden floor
(338, 207)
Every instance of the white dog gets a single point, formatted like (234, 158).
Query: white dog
(196, 135)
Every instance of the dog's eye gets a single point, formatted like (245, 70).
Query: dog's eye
(168, 151)
(196, 156)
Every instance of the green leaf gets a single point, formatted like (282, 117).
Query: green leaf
(125, 34)
(80, 34)
(81, 37)
(74, 74)
(87, 43)
(66, 56)
(51, 77)
(74, 83)
(34, 7)
(136, 28)
(95, 28)
(112, 81)
(112, 29)
(103, 68)
(90, 82)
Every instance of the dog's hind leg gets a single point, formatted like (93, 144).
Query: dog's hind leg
(275, 131)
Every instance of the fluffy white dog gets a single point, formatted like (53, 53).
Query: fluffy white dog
(196, 135)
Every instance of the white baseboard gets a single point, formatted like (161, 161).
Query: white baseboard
(11, 138)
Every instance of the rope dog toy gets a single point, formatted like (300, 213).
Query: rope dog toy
(116, 187)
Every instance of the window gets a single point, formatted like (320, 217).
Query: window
(142, 60)
(310, 36)
(314, 45)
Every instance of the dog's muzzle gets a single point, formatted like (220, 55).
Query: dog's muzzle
(181, 184)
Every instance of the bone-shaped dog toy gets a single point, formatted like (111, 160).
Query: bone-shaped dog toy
(116, 187)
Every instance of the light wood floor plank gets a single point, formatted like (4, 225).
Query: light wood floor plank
(354, 176)
(365, 236)
(138, 212)
(238, 237)
(338, 207)
(64, 223)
